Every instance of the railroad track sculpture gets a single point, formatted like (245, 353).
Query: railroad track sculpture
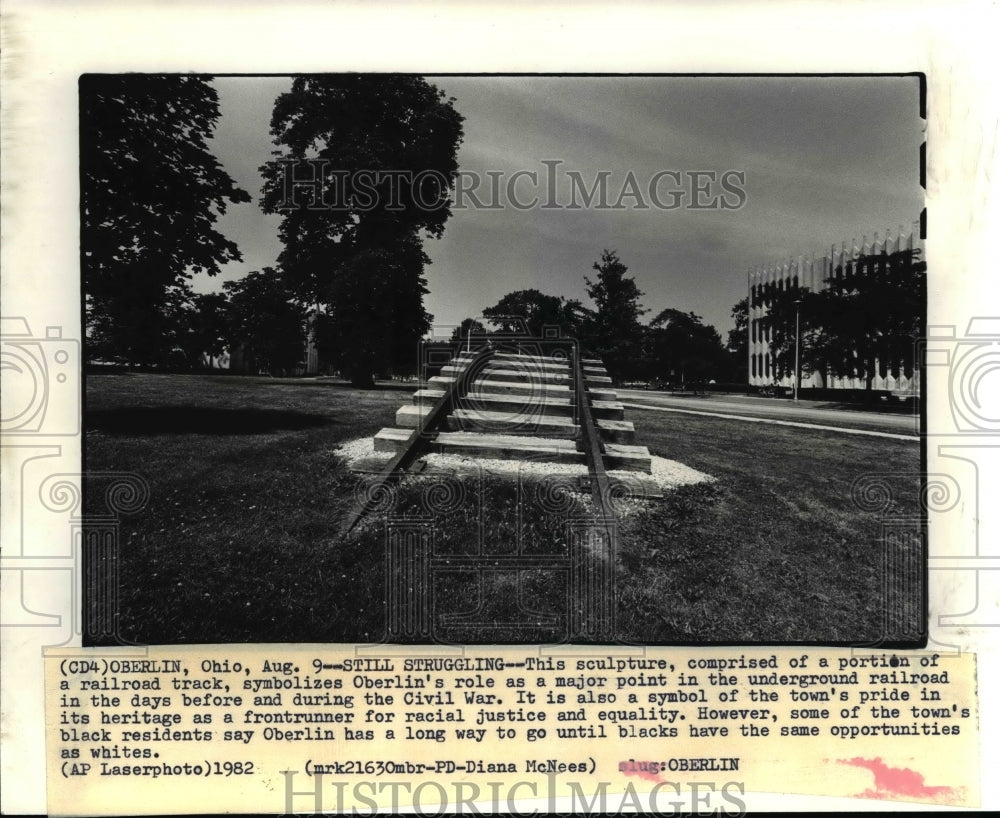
(557, 408)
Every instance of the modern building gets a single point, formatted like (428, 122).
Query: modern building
(815, 274)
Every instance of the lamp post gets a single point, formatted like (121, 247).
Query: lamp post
(798, 302)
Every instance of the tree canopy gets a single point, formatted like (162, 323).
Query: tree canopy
(615, 333)
(682, 349)
(866, 322)
(150, 196)
(205, 328)
(265, 319)
(874, 312)
(470, 328)
(738, 343)
(382, 150)
(531, 311)
(374, 317)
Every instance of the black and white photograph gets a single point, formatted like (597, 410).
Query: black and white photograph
(536, 407)
(503, 359)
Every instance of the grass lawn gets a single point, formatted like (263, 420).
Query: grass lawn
(784, 554)
(240, 540)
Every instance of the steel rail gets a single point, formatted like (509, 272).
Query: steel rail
(600, 487)
(420, 439)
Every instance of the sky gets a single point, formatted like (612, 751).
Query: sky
(823, 160)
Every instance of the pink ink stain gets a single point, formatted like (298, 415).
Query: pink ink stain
(646, 770)
(899, 782)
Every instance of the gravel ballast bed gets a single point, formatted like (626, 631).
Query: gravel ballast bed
(666, 474)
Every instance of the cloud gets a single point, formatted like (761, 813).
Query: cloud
(826, 159)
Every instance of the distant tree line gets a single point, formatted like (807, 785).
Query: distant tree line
(675, 347)
(867, 321)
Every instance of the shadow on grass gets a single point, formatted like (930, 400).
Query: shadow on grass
(163, 420)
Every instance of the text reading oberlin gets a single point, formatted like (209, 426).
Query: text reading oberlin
(314, 184)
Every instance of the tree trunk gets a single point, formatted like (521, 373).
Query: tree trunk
(869, 383)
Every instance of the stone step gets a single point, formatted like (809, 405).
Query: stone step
(615, 431)
(545, 404)
(538, 356)
(509, 447)
(600, 409)
(524, 376)
(594, 370)
(627, 458)
(494, 373)
(514, 404)
(427, 397)
(499, 446)
(602, 394)
(439, 382)
(602, 380)
(554, 389)
(409, 416)
(604, 402)
(542, 404)
(522, 361)
(479, 420)
(607, 410)
(391, 440)
(473, 420)
(617, 456)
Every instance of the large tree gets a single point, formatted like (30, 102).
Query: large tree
(364, 170)
(374, 317)
(151, 194)
(874, 313)
(205, 328)
(468, 331)
(682, 349)
(267, 321)
(616, 335)
(815, 322)
(531, 311)
(738, 343)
